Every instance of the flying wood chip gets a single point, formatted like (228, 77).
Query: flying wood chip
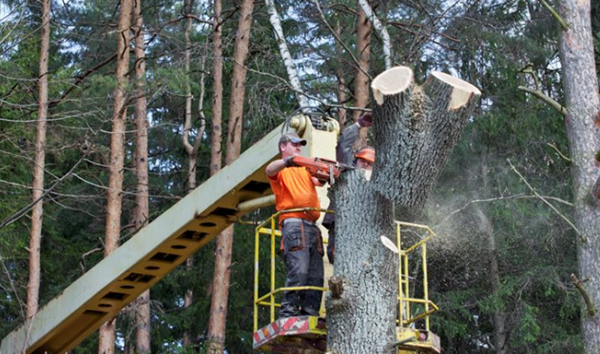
(389, 244)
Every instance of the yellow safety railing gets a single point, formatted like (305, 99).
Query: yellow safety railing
(404, 300)
(269, 227)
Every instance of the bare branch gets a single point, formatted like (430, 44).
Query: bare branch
(581, 237)
(563, 23)
(339, 40)
(586, 297)
(542, 96)
(564, 157)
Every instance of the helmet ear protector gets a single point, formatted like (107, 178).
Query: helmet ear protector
(366, 153)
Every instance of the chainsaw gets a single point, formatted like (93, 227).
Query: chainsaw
(322, 169)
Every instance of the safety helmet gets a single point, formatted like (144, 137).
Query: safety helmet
(366, 153)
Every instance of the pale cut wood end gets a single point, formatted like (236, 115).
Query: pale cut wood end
(391, 82)
(462, 90)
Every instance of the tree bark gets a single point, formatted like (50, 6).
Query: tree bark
(35, 240)
(361, 79)
(217, 102)
(406, 117)
(417, 127)
(369, 271)
(383, 32)
(582, 121)
(341, 81)
(106, 343)
(141, 169)
(224, 246)
(285, 53)
(499, 317)
(191, 149)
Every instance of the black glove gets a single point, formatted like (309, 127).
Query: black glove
(365, 120)
(289, 161)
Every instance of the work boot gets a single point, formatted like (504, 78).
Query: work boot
(307, 311)
(289, 310)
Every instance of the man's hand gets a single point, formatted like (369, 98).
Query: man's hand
(316, 182)
(278, 165)
(365, 120)
(289, 161)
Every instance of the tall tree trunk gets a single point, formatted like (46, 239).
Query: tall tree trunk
(141, 169)
(33, 284)
(106, 344)
(224, 247)
(217, 102)
(415, 130)
(217, 106)
(383, 32)
(341, 81)
(191, 149)
(192, 155)
(499, 317)
(583, 121)
(284, 51)
(361, 79)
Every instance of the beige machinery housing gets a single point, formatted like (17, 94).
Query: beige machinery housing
(158, 248)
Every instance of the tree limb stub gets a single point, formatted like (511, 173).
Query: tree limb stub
(586, 297)
(336, 286)
(415, 129)
(545, 98)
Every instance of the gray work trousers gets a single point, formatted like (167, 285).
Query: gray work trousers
(303, 256)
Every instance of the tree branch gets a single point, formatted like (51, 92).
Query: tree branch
(542, 96)
(558, 152)
(563, 23)
(586, 297)
(27, 208)
(339, 40)
(336, 286)
(581, 237)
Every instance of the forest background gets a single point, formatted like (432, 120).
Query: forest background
(500, 266)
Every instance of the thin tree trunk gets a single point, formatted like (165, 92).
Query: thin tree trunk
(383, 32)
(141, 169)
(341, 81)
(217, 102)
(224, 247)
(285, 53)
(583, 121)
(106, 344)
(192, 155)
(191, 150)
(361, 79)
(498, 318)
(33, 284)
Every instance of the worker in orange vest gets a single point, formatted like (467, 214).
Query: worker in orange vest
(301, 241)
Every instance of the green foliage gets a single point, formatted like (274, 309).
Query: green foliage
(487, 43)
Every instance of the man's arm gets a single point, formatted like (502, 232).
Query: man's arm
(343, 150)
(276, 166)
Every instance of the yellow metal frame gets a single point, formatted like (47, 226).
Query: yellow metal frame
(407, 334)
(404, 300)
(268, 299)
